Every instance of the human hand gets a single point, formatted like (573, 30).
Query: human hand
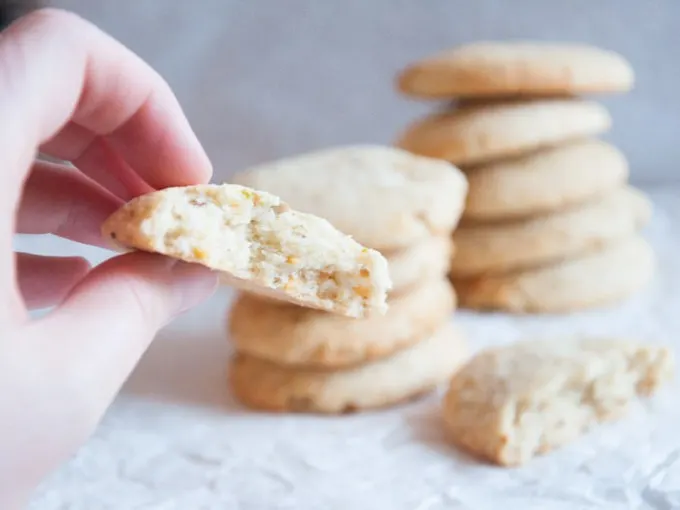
(74, 93)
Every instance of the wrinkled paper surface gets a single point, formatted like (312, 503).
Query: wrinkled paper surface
(177, 439)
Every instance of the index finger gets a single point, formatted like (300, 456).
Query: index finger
(56, 67)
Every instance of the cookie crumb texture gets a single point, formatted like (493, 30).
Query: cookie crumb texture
(259, 242)
(409, 373)
(511, 403)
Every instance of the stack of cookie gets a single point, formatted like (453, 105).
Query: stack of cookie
(550, 223)
(290, 358)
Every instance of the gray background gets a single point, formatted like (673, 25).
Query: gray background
(263, 79)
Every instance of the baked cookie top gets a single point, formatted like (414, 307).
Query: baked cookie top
(384, 197)
(517, 68)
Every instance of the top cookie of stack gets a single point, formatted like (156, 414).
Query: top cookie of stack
(548, 207)
(511, 69)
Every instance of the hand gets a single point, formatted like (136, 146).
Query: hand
(72, 92)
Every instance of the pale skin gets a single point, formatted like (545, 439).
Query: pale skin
(71, 91)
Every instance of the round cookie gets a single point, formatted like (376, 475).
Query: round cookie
(291, 335)
(427, 260)
(381, 196)
(502, 247)
(481, 133)
(598, 278)
(543, 181)
(408, 373)
(516, 68)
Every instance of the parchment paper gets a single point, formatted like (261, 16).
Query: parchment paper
(176, 439)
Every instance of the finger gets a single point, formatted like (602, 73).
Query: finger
(113, 314)
(56, 67)
(94, 157)
(59, 200)
(45, 281)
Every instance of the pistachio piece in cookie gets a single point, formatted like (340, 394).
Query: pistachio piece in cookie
(259, 244)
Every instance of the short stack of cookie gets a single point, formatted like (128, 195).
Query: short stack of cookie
(550, 223)
(295, 359)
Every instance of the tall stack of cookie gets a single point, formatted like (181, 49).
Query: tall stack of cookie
(290, 358)
(550, 224)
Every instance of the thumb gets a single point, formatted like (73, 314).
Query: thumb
(109, 319)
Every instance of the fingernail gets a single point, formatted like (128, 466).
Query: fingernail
(192, 284)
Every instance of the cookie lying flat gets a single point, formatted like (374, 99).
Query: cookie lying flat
(547, 180)
(597, 278)
(292, 335)
(409, 373)
(503, 247)
(488, 68)
(259, 243)
(511, 403)
(479, 134)
(425, 261)
(383, 197)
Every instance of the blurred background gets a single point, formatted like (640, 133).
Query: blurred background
(265, 79)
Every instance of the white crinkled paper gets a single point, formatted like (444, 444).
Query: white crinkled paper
(176, 439)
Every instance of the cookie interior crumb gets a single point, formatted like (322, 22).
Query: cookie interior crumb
(255, 237)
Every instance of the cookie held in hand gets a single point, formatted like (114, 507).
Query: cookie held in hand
(258, 243)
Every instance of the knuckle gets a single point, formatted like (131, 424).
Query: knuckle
(148, 307)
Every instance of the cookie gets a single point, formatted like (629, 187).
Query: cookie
(427, 260)
(482, 133)
(264, 385)
(516, 68)
(543, 181)
(503, 247)
(291, 335)
(508, 404)
(384, 197)
(259, 243)
(597, 278)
